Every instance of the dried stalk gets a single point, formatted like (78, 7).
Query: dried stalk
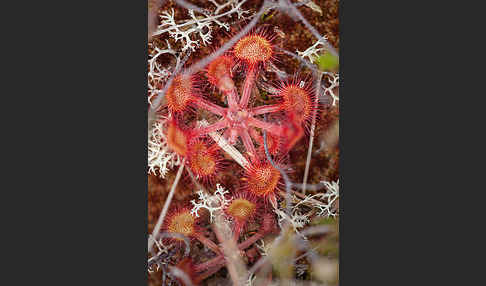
(228, 148)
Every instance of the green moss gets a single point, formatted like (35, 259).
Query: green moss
(327, 62)
(324, 220)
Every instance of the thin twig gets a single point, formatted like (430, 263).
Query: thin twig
(304, 2)
(312, 131)
(190, 6)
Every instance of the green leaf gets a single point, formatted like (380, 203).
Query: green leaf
(327, 62)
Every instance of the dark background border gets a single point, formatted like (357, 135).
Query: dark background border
(76, 173)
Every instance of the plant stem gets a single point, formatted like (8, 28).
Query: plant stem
(208, 243)
(204, 104)
(210, 272)
(232, 136)
(266, 109)
(232, 99)
(237, 231)
(220, 261)
(249, 80)
(250, 148)
(213, 262)
(270, 127)
(247, 243)
(210, 128)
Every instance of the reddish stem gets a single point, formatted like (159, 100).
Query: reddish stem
(208, 243)
(250, 148)
(270, 127)
(220, 261)
(249, 80)
(210, 128)
(247, 243)
(266, 109)
(255, 135)
(227, 135)
(210, 272)
(238, 227)
(216, 261)
(204, 104)
(233, 134)
(232, 99)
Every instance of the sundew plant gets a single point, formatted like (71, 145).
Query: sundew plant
(243, 130)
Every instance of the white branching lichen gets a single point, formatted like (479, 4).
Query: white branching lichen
(333, 83)
(160, 158)
(161, 249)
(313, 51)
(263, 247)
(201, 26)
(251, 279)
(212, 203)
(296, 220)
(301, 268)
(158, 75)
(323, 202)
